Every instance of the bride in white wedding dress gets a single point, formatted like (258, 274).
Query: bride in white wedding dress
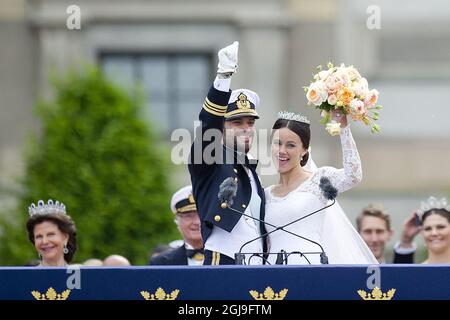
(298, 194)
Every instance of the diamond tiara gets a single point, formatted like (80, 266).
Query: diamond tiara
(433, 203)
(49, 208)
(286, 115)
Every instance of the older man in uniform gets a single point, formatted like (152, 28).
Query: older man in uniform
(188, 222)
(232, 114)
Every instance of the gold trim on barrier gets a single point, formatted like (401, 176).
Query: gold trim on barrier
(377, 294)
(160, 294)
(51, 294)
(269, 294)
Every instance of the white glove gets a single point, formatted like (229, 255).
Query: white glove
(228, 58)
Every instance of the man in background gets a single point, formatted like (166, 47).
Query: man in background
(188, 222)
(374, 226)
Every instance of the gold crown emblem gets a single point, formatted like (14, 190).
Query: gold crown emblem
(160, 294)
(242, 102)
(191, 199)
(51, 294)
(376, 294)
(269, 294)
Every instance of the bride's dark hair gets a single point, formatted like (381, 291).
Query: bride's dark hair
(301, 129)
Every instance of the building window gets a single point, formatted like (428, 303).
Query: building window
(174, 85)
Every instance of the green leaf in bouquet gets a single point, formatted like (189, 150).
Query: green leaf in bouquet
(325, 120)
(378, 107)
(375, 128)
(326, 106)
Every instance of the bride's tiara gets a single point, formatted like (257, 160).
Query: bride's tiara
(433, 203)
(286, 115)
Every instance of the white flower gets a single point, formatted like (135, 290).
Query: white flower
(344, 76)
(333, 128)
(317, 93)
(323, 75)
(353, 73)
(360, 87)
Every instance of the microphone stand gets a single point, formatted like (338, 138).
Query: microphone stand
(239, 257)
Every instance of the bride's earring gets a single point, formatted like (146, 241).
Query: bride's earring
(65, 250)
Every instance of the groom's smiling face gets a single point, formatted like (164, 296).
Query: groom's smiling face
(239, 132)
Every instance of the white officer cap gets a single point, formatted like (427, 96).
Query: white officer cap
(183, 201)
(242, 103)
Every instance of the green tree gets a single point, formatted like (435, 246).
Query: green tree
(99, 158)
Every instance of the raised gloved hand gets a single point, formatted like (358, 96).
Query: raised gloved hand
(228, 58)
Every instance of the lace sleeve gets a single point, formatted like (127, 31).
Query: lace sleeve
(346, 178)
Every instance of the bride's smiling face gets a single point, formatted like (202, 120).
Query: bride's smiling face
(287, 149)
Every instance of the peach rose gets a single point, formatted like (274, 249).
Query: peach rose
(357, 109)
(332, 99)
(345, 96)
(317, 93)
(371, 98)
(333, 83)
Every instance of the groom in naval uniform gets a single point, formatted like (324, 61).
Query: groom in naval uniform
(220, 152)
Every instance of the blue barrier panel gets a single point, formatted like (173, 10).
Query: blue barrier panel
(227, 282)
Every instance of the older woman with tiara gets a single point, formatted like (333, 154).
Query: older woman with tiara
(52, 232)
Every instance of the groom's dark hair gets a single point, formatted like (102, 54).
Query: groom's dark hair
(302, 129)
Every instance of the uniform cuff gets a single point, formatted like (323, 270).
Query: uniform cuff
(222, 84)
(401, 250)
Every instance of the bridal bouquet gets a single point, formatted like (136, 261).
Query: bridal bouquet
(343, 88)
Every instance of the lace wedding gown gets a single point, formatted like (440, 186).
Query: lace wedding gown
(330, 228)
